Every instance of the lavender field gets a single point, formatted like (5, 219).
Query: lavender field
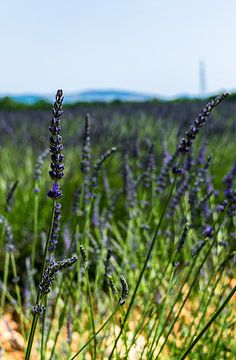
(117, 230)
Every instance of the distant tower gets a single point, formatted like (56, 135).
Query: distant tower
(202, 79)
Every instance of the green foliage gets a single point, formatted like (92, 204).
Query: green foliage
(177, 294)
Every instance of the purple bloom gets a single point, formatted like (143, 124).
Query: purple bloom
(55, 193)
(186, 143)
(56, 172)
(220, 208)
(55, 228)
(208, 231)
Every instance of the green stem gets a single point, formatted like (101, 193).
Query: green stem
(36, 316)
(151, 350)
(91, 313)
(97, 332)
(206, 327)
(5, 278)
(43, 330)
(18, 294)
(179, 294)
(1, 238)
(210, 297)
(12, 300)
(191, 287)
(144, 267)
(187, 296)
(55, 306)
(36, 206)
(60, 324)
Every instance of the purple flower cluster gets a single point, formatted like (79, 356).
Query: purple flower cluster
(181, 189)
(8, 234)
(129, 184)
(86, 156)
(208, 231)
(149, 167)
(85, 164)
(97, 166)
(186, 143)
(55, 228)
(57, 167)
(38, 169)
(50, 272)
(228, 181)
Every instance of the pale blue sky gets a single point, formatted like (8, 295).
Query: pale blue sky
(151, 46)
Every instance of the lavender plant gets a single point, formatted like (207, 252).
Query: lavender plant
(56, 173)
(177, 240)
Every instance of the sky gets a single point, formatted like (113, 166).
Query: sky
(149, 46)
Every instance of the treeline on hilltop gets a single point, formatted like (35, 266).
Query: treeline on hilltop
(7, 103)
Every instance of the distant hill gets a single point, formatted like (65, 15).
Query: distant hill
(41, 101)
(84, 96)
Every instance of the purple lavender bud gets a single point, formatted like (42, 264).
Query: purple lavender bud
(177, 171)
(57, 158)
(208, 231)
(55, 140)
(39, 309)
(228, 193)
(55, 193)
(56, 149)
(85, 164)
(55, 130)
(220, 208)
(56, 175)
(58, 168)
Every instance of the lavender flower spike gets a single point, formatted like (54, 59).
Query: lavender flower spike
(190, 135)
(57, 167)
(50, 272)
(125, 290)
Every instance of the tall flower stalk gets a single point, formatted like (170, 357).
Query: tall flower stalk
(56, 173)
